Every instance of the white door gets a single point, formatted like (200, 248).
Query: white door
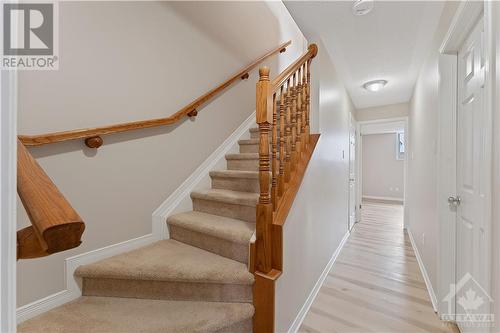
(352, 175)
(472, 236)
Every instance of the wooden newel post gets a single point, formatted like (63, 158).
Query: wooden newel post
(264, 113)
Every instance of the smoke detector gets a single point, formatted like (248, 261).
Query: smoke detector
(362, 7)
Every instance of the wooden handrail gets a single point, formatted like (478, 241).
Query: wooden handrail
(56, 226)
(312, 51)
(93, 138)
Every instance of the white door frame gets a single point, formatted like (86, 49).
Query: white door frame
(464, 20)
(8, 198)
(360, 159)
(354, 124)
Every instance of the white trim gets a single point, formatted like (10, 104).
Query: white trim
(489, 102)
(464, 19)
(359, 161)
(428, 283)
(353, 124)
(406, 208)
(72, 290)
(383, 128)
(182, 193)
(447, 177)
(8, 200)
(373, 197)
(383, 120)
(314, 292)
(45, 304)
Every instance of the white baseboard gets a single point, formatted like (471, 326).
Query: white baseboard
(382, 198)
(160, 231)
(314, 292)
(72, 290)
(428, 284)
(42, 305)
(182, 193)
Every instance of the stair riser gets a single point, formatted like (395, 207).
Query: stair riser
(241, 212)
(236, 184)
(254, 135)
(164, 290)
(245, 326)
(244, 165)
(249, 149)
(222, 247)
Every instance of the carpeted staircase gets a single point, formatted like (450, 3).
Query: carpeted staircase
(196, 281)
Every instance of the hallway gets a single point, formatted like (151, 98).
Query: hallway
(375, 285)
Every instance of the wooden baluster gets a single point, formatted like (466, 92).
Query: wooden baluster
(294, 123)
(288, 134)
(298, 144)
(308, 100)
(264, 217)
(304, 106)
(275, 163)
(281, 178)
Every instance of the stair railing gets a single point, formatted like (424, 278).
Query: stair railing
(55, 225)
(285, 149)
(282, 111)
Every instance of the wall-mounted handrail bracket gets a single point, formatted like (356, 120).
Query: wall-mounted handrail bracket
(94, 142)
(245, 76)
(192, 113)
(283, 50)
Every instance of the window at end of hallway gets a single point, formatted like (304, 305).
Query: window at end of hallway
(400, 144)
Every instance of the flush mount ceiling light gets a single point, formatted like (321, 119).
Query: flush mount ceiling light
(362, 7)
(375, 85)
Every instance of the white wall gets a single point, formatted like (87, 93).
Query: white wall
(421, 193)
(383, 173)
(122, 61)
(383, 112)
(318, 219)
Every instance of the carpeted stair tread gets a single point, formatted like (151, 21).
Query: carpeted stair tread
(254, 130)
(233, 230)
(243, 156)
(169, 260)
(129, 315)
(234, 174)
(227, 196)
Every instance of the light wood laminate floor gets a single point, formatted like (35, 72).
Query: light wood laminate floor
(375, 285)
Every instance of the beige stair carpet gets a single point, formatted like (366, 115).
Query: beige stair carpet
(168, 270)
(196, 281)
(224, 236)
(123, 315)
